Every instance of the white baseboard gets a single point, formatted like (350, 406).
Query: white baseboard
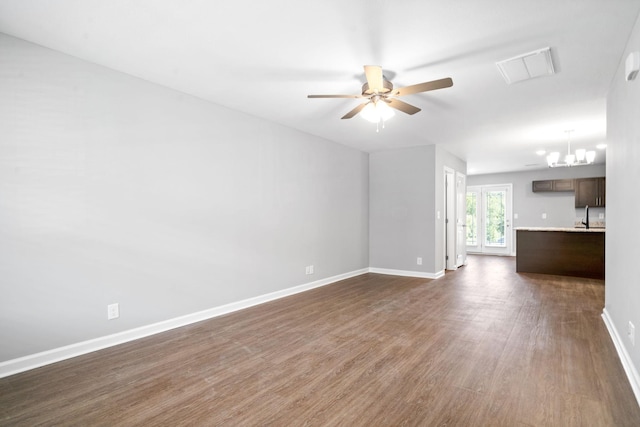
(627, 363)
(14, 366)
(407, 273)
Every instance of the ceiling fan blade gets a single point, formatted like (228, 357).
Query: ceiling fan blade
(335, 96)
(354, 111)
(424, 87)
(374, 78)
(402, 106)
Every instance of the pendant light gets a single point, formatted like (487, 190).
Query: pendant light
(580, 158)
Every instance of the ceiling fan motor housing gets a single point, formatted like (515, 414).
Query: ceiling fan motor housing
(387, 87)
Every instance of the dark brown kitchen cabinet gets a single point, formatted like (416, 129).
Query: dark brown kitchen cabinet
(552, 185)
(538, 186)
(590, 191)
(563, 185)
(574, 253)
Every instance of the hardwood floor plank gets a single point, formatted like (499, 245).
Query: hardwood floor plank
(481, 346)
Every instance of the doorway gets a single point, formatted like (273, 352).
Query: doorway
(461, 219)
(488, 219)
(454, 219)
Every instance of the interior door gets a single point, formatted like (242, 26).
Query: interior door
(449, 219)
(461, 219)
(489, 211)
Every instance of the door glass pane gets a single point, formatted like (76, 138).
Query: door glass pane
(495, 218)
(472, 227)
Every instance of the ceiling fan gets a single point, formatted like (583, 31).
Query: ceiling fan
(379, 92)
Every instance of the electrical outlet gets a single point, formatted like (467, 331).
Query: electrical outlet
(601, 216)
(544, 216)
(308, 269)
(113, 311)
(515, 216)
(311, 269)
(419, 261)
(631, 333)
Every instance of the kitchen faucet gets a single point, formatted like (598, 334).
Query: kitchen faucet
(586, 217)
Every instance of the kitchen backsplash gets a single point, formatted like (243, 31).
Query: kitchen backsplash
(593, 224)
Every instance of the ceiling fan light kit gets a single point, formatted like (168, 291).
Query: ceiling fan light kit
(580, 158)
(382, 97)
(376, 111)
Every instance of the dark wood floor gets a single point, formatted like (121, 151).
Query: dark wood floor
(482, 346)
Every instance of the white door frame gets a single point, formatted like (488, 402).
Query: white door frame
(449, 219)
(461, 219)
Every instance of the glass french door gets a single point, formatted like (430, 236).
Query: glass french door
(489, 219)
(473, 202)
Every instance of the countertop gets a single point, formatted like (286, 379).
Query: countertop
(565, 229)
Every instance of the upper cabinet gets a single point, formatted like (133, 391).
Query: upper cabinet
(590, 191)
(553, 185)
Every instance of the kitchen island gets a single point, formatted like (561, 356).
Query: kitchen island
(575, 252)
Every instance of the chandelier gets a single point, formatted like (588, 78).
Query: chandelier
(580, 158)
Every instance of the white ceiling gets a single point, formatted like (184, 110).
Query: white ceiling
(264, 57)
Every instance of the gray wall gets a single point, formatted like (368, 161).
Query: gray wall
(113, 189)
(559, 207)
(622, 292)
(402, 214)
(406, 192)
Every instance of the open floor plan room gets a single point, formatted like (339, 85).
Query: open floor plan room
(481, 346)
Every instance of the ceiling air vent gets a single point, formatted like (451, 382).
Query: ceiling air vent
(527, 66)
